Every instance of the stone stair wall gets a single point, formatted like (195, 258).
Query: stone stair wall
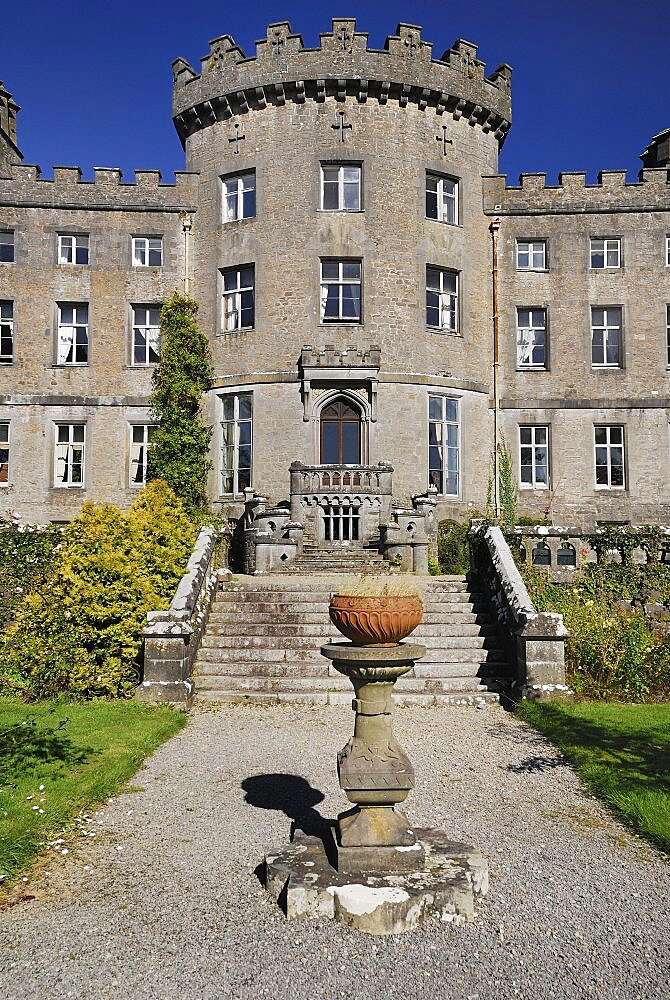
(263, 638)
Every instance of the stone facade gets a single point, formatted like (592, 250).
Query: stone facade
(403, 120)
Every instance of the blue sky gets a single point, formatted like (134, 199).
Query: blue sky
(590, 85)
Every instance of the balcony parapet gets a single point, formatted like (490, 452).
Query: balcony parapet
(342, 479)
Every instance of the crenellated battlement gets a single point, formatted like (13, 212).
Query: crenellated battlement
(282, 69)
(25, 187)
(612, 193)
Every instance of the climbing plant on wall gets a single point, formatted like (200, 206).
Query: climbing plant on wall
(180, 445)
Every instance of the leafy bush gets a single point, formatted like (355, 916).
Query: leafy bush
(613, 652)
(26, 555)
(453, 551)
(81, 633)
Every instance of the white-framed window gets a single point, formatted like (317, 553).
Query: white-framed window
(140, 443)
(606, 336)
(444, 445)
(146, 335)
(442, 198)
(531, 337)
(72, 346)
(534, 456)
(238, 298)
(4, 452)
(341, 187)
(667, 336)
(531, 255)
(7, 246)
(147, 251)
(442, 298)
(73, 249)
(667, 251)
(236, 442)
(610, 456)
(605, 253)
(6, 332)
(69, 458)
(239, 196)
(341, 282)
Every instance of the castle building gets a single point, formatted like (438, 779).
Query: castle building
(381, 305)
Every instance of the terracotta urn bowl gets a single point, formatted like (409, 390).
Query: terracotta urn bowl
(375, 621)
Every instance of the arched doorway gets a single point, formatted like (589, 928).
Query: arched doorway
(340, 434)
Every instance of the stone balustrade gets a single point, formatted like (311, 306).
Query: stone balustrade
(535, 640)
(563, 551)
(172, 637)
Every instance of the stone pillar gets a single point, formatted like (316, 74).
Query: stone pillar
(541, 658)
(167, 662)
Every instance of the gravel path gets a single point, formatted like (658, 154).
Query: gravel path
(164, 903)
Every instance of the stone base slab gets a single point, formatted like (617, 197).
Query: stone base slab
(300, 877)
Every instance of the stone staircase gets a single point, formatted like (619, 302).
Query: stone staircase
(353, 559)
(264, 633)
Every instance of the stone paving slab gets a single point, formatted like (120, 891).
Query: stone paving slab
(164, 902)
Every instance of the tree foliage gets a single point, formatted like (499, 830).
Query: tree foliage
(80, 633)
(180, 446)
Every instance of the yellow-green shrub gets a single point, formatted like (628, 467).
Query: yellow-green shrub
(81, 634)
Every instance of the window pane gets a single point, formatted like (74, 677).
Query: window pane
(329, 269)
(351, 269)
(330, 195)
(330, 443)
(245, 407)
(435, 407)
(350, 443)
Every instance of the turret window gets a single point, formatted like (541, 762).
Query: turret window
(442, 299)
(444, 445)
(239, 197)
(341, 187)
(442, 199)
(236, 443)
(238, 298)
(341, 291)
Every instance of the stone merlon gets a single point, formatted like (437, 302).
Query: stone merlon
(343, 66)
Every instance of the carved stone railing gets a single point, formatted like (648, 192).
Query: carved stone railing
(172, 637)
(535, 640)
(327, 498)
(564, 551)
(272, 539)
(406, 538)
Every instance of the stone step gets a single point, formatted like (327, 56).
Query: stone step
(321, 630)
(465, 699)
(249, 661)
(299, 668)
(416, 685)
(306, 642)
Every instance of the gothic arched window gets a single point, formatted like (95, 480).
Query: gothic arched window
(340, 434)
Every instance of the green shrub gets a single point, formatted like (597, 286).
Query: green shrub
(453, 551)
(26, 555)
(613, 652)
(81, 633)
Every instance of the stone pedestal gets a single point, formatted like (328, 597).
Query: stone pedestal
(376, 874)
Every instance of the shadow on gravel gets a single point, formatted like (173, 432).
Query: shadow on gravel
(534, 765)
(295, 797)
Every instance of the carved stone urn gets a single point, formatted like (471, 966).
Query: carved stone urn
(374, 771)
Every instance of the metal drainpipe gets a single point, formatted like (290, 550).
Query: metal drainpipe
(494, 227)
(186, 220)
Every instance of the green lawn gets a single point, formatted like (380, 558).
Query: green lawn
(620, 752)
(58, 759)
